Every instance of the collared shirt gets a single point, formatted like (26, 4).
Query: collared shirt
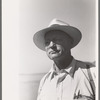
(67, 84)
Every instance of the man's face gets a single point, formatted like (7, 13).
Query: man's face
(57, 44)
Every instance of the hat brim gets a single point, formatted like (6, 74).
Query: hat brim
(73, 32)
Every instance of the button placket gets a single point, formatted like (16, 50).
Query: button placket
(60, 87)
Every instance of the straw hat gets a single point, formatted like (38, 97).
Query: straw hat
(56, 24)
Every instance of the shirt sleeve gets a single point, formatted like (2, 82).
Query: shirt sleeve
(41, 85)
(86, 90)
(93, 73)
(40, 88)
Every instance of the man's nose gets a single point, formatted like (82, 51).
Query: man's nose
(51, 44)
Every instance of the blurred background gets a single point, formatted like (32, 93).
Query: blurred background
(37, 14)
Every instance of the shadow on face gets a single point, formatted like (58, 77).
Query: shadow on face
(57, 44)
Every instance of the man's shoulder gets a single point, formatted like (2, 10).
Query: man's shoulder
(44, 77)
(86, 68)
(85, 64)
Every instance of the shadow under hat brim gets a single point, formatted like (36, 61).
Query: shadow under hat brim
(73, 32)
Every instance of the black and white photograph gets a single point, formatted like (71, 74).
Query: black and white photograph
(57, 50)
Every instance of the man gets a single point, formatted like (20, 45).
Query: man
(68, 79)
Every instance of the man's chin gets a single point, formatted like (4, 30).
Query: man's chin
(54, 57)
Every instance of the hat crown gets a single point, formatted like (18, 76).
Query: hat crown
(58, 22)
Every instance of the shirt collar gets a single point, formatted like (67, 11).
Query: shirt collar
(70, 69)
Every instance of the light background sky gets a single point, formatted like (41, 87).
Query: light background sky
(21, 19)
(37, 14)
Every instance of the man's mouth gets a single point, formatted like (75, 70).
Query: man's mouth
(54, 52)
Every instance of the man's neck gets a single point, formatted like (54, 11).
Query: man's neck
(64, 63)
